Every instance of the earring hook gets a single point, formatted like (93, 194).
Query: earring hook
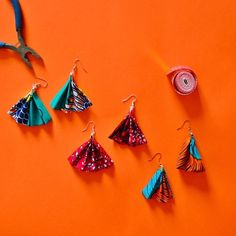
(75, 66)
(45, 82)
(189, 126)
(133, 101)
(93, 128)
(37, 85)
(157, 154)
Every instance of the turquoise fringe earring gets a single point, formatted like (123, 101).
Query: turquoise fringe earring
(30, 110)
(70, 98)
(158, 187)
(189, 158)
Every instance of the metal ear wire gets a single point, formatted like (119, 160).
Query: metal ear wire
(189, 126)
(37, 85)
(133, 101)
(75, 66)
(93, 128)
(45, 85)
(159, 159)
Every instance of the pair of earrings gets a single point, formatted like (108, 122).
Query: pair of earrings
(90, 156)
(30, 110)
(189, 160)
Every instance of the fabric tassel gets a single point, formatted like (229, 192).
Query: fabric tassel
(189, 158)
(30, 110)
(70, 98)
(158, 187)
(128, 131)
(90, 157)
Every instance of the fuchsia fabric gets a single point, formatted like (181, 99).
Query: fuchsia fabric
(128, 131)
(90, 157)
(183, 79)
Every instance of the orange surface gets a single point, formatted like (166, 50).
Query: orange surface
(126, 47)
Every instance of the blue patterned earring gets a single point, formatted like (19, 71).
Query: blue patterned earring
(30, 110)
(71, 98)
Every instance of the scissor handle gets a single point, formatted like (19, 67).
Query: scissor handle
(18, 14)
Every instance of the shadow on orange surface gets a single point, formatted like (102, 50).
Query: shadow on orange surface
(196, 180)
(165, 207)
(192, 103)
(137, 150)
(35, 130)
(95, 176)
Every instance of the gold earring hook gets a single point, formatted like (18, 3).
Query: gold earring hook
(37, 85)
(45, 82)
(75, 66)
(156, 154)
(93, 128)
(133, 101)
(189, 126)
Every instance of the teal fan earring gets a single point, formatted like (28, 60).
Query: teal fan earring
(30, 110)
(158, 187)
(71, 98)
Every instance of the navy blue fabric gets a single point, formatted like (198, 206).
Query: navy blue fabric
(20, 111)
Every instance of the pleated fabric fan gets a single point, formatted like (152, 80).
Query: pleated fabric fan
(189, 158)
(158, 187)
(71, 98)
(90, 156)
(30, 110)
(128, 131)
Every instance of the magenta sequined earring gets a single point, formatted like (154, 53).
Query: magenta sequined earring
(128, 131)
(90, 156)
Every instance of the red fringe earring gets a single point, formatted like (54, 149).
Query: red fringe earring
(128, 131)
(189, 158)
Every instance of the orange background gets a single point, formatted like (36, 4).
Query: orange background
(126, 47)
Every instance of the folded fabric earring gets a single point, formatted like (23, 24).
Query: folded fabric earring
(30, 110)
(158, 187)
(189, 158)
(128, 131)
(90, 156)
(71, 98)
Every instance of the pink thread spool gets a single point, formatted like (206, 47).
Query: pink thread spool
(183, 79)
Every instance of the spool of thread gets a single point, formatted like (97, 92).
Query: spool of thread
(183, 79)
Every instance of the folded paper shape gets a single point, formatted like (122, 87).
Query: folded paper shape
(30, 111)
(190, 158)
(70, 98)
(90, 157)
(158, 187)
(128, 131)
